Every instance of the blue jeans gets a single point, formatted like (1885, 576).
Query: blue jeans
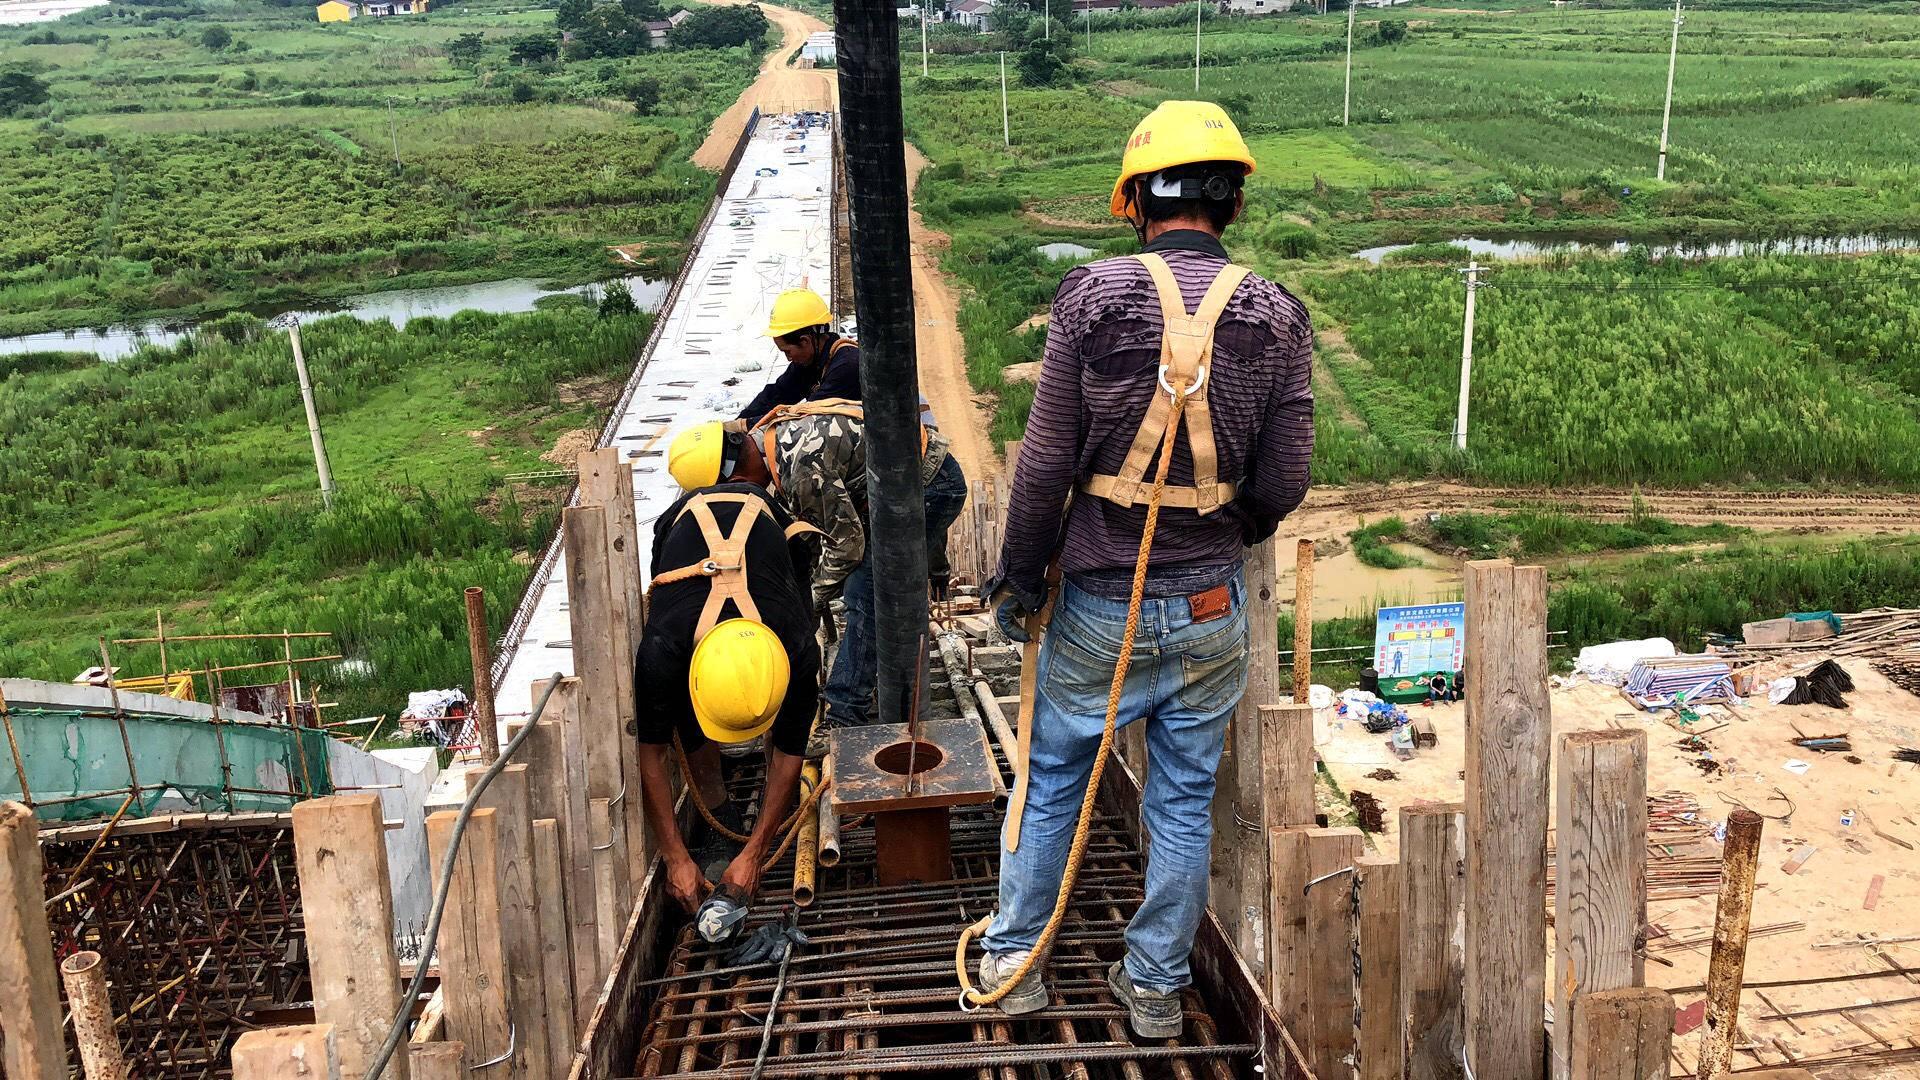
(1184, 682)
(849, 689)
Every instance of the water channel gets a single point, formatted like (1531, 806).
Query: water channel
(1535, 247)
(397, 306)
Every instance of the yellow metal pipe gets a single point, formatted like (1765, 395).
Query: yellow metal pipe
(806, 853)
(829, 823)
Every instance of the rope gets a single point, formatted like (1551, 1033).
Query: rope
(791, 826)
(1084, 827)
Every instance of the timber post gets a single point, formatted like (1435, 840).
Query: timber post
(1726, 967)
(606, 480)
(305, 1052)
(1432, 966)
(519, 919)
(555, 755)
(1329, 904)
(1621, 1034)
(480, 651)
(598, 662)
(1507, 732)
(1302, 620)
(1239, 870)
(1600, 866)
(437, 1061)
(33, 1047)
(340, 851)
(1379, 1027)
(474, 981)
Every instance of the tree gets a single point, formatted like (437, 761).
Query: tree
(466, 48)
(1391, 31)
(617, 300)
(1044, 62)
(521, 93)
(606, 30)
(533, 48)
(643, 93)
(216, 38)
(720, 27)
(20, 90)
(643, 11)
(572, 14)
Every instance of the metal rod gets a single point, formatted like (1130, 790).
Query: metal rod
(479, 648)
(177, 638)
(1727, 966)
(13, 745)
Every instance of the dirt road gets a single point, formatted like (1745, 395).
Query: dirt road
(779, 88)
(943, 352)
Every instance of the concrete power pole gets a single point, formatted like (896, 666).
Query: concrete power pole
(1346, 103)
(923, 37)
(1466, 357)
(1666, 113)
(393, 131)
(313, 415)
(1196, 46)
(1006, 132)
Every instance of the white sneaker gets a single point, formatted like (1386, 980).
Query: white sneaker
(1029, 995)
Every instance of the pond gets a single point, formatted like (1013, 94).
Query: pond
(1066, 251)
(1534, 247)
(20, 12)
(398, 306)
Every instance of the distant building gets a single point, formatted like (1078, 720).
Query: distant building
(658, 29)
(818, 48)
(1256, 7)
(971, 13)
(343, 10)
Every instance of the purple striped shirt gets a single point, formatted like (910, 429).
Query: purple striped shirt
(1096, 379)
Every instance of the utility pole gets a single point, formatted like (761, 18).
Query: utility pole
(923, 37)
(1666, 113)
(1346, 103)
(313, 415)
(1196, 45)
(1466, 356)
(394, 132)
(1006, 133)
(1089, 14)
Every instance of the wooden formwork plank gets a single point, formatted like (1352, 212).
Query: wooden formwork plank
(340, 851)
(1600, 867)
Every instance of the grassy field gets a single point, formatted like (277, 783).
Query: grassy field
(181, 481)
(164, 176)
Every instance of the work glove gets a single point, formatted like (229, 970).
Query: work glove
(764, 945)
(1013, 606)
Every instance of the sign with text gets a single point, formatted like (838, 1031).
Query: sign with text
(1410, 640)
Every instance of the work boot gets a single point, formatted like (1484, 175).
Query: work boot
(1153, 1014)
(1028, 996)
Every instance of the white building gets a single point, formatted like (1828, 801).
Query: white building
(971, 13)
(819, 47)
(1256, 7)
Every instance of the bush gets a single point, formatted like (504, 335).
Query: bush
(1370, 544)
(216, 38)
(720, 28)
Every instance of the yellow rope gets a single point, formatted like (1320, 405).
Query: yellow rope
(1084, 828)
(791, 827)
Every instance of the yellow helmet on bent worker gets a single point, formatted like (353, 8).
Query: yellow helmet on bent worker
(797, 309)
(737, 680)
(1178, 133)
(697, 456)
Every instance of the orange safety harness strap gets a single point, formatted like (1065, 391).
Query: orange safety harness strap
(781, 414)
(1186, 355)
(725, 566)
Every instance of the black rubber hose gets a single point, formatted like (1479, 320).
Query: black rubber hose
(867, 53)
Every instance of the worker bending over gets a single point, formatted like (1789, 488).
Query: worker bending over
(728, 653)
(820, 363)
(1239, 465)
(813, 457)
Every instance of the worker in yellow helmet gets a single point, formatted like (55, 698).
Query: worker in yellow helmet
(820, 363)
(728, 654)
(1124, 336)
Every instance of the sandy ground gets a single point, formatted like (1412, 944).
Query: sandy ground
(779, 88)
(942, 350)
(1826, 894)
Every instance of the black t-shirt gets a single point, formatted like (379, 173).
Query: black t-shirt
(778, 572)
(835, 374)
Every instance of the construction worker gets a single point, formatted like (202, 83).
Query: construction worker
(1120, 343)
(728, 653)
(820, 363)
(813, 457)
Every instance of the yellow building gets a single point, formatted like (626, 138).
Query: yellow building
(336, 11)
(342, 10)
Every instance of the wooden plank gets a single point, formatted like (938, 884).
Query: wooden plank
(340, 851)
(607, 480)
(471, 953)
(1239, 869)
(607, 876)
(597, 662)
(33, 1047)
(610, 1040)
(556, 964)
(1433, 935)
(1507, 733)
(1287, 969)
(1287, 739)
(1379, 1025)
(557, 763)
(519, 915)
(1620, 1034)
(1600, 883)
(437, 1061)
(1873, 892)
(1329, 1040)
(306, 1052)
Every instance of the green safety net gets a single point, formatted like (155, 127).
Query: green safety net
(214, 767)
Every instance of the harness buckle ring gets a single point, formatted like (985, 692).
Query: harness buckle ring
(1191, 390)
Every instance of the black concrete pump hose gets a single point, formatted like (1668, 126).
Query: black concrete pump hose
(407, 1000)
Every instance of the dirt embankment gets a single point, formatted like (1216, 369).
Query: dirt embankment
(779, 88)
(942, 350)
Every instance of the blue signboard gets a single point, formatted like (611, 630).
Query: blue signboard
(1410, 640)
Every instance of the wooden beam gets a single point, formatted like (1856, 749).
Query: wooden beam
(1287, 740)
(1379, 1025)
(437, 1061)
(1726, 967)
(93, 1033)
(1287, 970)
(1239, 870)
(1329, 1039)
(1600, 882)
(598, 663)
(1432, 960)
(607, 876)
(607, 480)
(1620, 1034)
(1302, 674)
(33, 1047)
(471, 951)
(340, 851)
(519, 916)
(1507, 732)
(556, 760)
(556, 958)
(306, 1052)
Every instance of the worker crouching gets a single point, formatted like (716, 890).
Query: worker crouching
(1174, 351)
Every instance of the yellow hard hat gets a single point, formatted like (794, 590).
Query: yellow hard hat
(737, 680)
(797, 309)
(1179, 133)
(694, 456)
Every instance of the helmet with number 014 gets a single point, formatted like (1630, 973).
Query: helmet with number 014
(1178, 133)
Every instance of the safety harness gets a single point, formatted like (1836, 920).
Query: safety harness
(725, 566)
(782, 414)
(1186, 355)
